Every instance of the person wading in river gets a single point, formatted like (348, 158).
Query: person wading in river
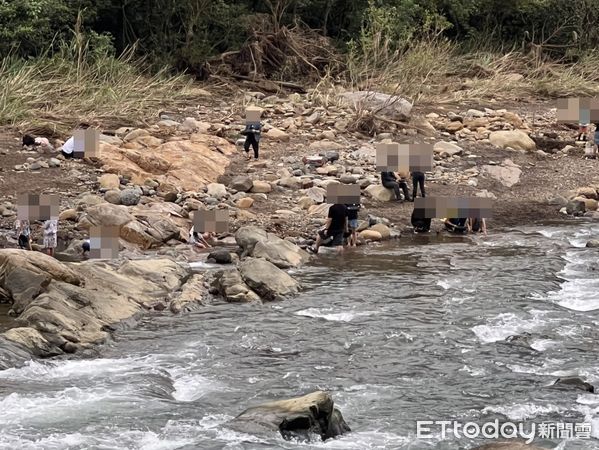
(333, 233)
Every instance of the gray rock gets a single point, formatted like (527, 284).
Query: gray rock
(267, 280)
(574, 383)
(242, 183)
(53, 162)
(130, 197)
(594, 243)
(113, 196)
(298, 418)
(576, 207)
(220, 256)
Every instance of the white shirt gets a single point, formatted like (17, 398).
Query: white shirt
(69, 145)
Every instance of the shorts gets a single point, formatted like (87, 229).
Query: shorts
(331, 240)
(353, 223)
(50, 241)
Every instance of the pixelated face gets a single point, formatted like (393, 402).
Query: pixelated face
(38, 206)
(578, 110)
(87, 143)
(343, 193)
(213, 221)
(104, 242)
(253, 114)
(455, 207)
(404, 158)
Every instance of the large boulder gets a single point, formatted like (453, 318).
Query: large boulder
(296, 418)
(516, 139)
(391, 106)
(275, 134)
(231, 286)
(67, 309)
(248, 237)
(12, 354)
(24, 275)
(105, 214)
(267, 280)
(380, 193)
(217, 190)
(172, 163)
(281, 253)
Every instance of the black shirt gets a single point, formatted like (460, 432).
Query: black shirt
(338, 214)
(352, 211)
(388, 177)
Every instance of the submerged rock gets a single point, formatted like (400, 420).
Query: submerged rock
(297, 418)
(574, 383)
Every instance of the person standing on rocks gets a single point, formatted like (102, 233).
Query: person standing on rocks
(252, 132)
(352, 221)
(417, 180)
(389, 180)
(333, 232)
(50, 232)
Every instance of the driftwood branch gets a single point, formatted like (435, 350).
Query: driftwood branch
(285, 84)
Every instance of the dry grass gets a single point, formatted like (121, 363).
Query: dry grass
(73, 85)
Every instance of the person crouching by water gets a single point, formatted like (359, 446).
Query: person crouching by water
(457, 226)
(333, 232)
(23, 234)
(200, 240)
(477, 225)
(420, 223)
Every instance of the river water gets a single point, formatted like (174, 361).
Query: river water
(401, 332)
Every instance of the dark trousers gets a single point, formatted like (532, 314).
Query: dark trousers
(418, 180)
(397, 188)
(250, 140)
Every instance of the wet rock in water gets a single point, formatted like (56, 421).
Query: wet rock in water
(594, 243)
(297, 418)
(12, 354)
(589, 203)
(267, 280)
(382, 229)
(371, 235)
(574, 383)
(220, 256)
(576, 207)
(521, 340)
(242, 184)
(231, 286)
(509, 446)
(130, 197)
(280, 252)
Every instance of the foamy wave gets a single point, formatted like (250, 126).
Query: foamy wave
(519, 412)
(333, 317)
(508, 324)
